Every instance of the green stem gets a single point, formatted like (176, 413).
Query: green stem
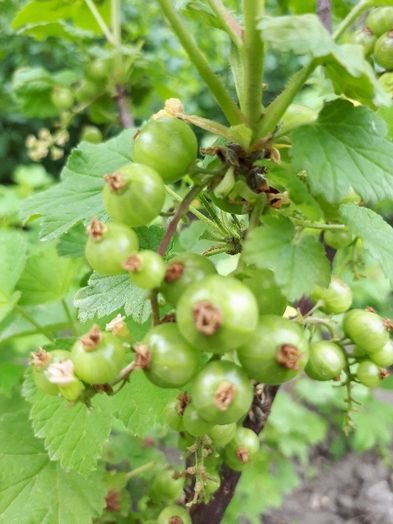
(33, 322)
(137, 471)
(277, 108)
(213, 214)
(358, 9)
(70, 317)
(252, 59)
(193, 210)
(228, 22)
(116, 21)
(215, 251)
(228, 106)
(100, 21)
(320, 225)
(256, 214)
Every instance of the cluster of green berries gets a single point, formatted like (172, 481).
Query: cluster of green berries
(377, 40)
(223, 337)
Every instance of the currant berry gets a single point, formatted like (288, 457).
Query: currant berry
(193, 423)
(167, 486)
(366, 38)
(242, 449)
(182, 271)
(222, 435)
(369, 374)
(168, 145)
(383, 51)
(108, 247)
(146, 269)
(326, 360)
(337, 239)
(337, 298)
(174, 515)
(217, 314)
(222, 392)
(166, 358)
(86, 91)
(98, 69)
(62, 98)
(174, 416)
(98, 357)
(380, 20)
(212, 482)
(91, 134)
(366, 329)
(265, 289)
(40, 362)
(134, 195)
(277, 351)
(384, 356)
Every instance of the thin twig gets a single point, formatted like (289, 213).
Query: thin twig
(183, 207)
(69, 317)
(230, 24)
(324, 10)
(100, 21)
(125, 117)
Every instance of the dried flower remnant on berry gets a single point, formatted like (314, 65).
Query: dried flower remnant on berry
(133, 263)
(91, 340)
(289, 356)
(224, 395)
(96, 229)
(207, 317)
(142, 356)
(174, 271)
(116, 181)
(40, 359)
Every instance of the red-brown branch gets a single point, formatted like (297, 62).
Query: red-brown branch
(125, 116)
(213, 512)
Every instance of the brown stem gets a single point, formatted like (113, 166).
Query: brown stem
(183, 207)
(125, 117)
(324, 10)
(213, 512)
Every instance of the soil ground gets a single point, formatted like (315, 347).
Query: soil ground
(358, 489)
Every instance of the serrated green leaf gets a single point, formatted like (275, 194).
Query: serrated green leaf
(13, 252)
(44, 30)
(32, 87)
(78, 196)
(377, 235)
(353, 76)
(140, 404)
(53, 318)
(298, 263)
(39, 11)
(302, 35)
(346, 148)
(34, 490)
(46, 277)
(74, 435)
(72, 243)
(150, 237)
(105, 295)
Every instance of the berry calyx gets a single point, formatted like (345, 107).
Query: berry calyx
(108, 246)
(146, 269)
(217, 314)
(222, 392)
(134, 194)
